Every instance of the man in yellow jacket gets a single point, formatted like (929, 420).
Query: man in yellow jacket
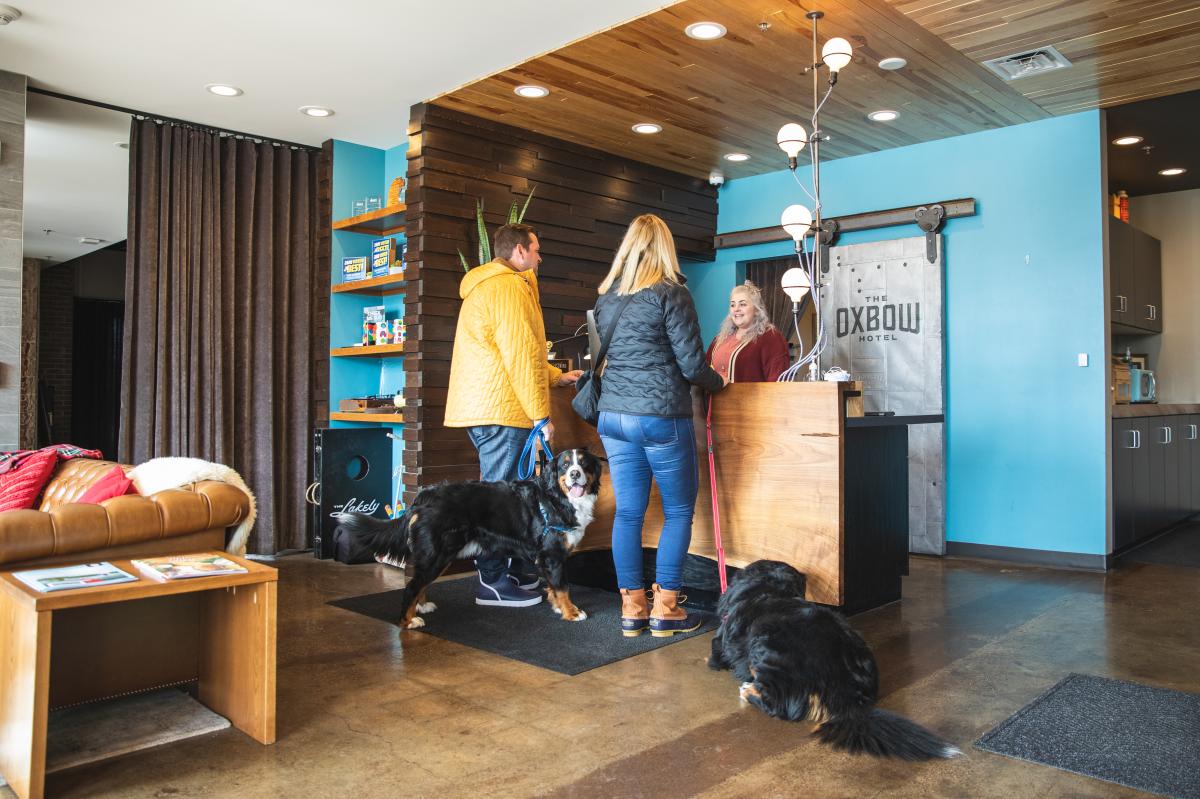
(500, 382)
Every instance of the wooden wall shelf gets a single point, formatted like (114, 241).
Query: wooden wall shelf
(387, 418)
(376, 351)
(388, 284)
(383, 222)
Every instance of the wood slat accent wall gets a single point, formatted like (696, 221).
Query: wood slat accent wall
(320, 307)
(583, 201)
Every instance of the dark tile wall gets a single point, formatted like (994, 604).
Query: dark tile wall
(56, 317)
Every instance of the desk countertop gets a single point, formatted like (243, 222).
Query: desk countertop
(888, 421)
(1152, 409)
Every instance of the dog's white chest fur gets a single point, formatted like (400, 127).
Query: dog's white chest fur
(585, 508)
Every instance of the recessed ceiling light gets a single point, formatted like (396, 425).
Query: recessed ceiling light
(1125, 141)
(531, 91)
(646, 128)
(705, 30)
(316, 111)
(737, 157)
(883, 116)
(124, 145)
(90, 240)
(223, 89)
(1172, 171)
(893, 63)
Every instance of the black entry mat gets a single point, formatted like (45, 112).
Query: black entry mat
(532, 635)
(1180, 547)
(1134, 735)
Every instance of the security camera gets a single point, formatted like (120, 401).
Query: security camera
(716, 179)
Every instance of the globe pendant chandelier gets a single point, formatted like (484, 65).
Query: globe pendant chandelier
(804, 281)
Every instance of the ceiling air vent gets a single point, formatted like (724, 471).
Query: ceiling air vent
(1033, 62)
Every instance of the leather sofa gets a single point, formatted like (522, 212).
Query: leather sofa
(194, 518)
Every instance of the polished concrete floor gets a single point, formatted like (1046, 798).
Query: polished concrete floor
(364, 712)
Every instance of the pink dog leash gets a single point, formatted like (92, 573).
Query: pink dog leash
(712, 479)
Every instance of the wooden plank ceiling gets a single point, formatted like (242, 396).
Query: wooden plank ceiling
(733, 94)
(1120, 50)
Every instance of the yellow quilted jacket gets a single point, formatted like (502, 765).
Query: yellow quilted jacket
(499, 373)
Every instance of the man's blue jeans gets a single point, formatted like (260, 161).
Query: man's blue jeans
(639, 447)
(499, 448)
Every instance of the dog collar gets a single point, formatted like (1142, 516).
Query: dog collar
(547, 527)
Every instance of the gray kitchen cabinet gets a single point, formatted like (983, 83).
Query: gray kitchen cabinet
(1155, 473)
(1135, 279)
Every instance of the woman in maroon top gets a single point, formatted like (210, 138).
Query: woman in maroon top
(748, 348)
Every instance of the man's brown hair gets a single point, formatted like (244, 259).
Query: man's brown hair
(507, 237)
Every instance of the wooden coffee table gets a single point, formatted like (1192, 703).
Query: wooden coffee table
(219, 631)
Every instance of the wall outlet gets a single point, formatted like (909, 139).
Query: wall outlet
(1083, 358)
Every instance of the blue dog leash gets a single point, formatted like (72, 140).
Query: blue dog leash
(525, 462)
(525, 471)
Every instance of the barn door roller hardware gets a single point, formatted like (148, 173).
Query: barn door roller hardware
(827, 236)
(870, 220)
(930, 219)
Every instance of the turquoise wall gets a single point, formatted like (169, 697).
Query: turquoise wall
(1025, 426)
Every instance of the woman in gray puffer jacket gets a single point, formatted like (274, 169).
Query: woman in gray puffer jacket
(645, 423)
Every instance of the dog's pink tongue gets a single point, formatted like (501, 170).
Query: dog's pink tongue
(576, 491)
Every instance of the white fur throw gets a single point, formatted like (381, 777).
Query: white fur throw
(159, 474)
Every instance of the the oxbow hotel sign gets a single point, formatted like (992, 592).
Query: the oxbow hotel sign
(879, 319)
(883, 303)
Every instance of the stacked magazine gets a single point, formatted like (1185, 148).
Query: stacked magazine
(181, 567)
(64, 578)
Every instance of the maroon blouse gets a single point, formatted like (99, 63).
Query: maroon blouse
(763, 360)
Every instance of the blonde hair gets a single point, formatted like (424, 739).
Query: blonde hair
(762, 321)
(645, 258)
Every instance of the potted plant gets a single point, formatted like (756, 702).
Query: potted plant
(485, 241)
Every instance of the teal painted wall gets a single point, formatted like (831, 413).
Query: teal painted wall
(1026, 427)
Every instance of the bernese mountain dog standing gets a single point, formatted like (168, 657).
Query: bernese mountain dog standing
(541, 520)
(801, 661)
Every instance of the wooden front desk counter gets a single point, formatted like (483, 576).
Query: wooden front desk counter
(796, 481)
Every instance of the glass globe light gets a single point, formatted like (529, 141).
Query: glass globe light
(796, 220)
(836, 53)
(795, 283)
(791, 139)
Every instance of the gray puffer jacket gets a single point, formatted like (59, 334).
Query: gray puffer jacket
(655, 353)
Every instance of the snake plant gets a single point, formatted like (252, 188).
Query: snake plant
(485, 243)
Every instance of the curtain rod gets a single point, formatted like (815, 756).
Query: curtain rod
(160, 118)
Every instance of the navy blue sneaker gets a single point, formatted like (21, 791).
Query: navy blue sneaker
(504, 593)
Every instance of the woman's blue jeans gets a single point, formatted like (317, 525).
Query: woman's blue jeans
(639, 447)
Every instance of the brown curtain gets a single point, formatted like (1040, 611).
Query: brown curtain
(221, 273)
(767, 275)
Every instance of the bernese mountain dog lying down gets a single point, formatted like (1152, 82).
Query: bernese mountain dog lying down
(541, 520)
(801, 661)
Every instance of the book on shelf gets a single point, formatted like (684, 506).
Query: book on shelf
(383, 254)
(64, 578)
(354, 268)
(397, 267)
(182, 567)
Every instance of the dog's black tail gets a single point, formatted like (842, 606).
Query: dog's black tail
(386, 538)
(878, 732)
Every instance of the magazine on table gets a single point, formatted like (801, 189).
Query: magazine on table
(64, 578)
(182, 567)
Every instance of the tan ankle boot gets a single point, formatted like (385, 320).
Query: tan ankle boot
(667, 618)
(634, 612)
